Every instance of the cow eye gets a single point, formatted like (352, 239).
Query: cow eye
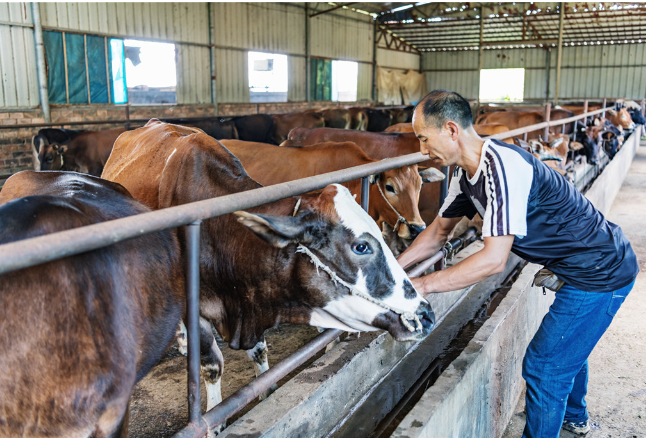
(50, 159)
(390, 188)
(361, 248)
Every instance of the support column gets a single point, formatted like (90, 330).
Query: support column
(214, 92)
(40, 62)
(308, 60)
(560, 54)
(374, 62)
(480, 51)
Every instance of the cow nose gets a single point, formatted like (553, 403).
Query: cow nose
(415, 230)
(426, 317)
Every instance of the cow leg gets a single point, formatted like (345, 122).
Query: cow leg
(180, 334)
(258, 355)
(212, 367)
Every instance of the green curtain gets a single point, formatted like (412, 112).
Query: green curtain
(321, 79)
(55, 67)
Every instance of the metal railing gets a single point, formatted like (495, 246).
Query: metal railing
(37, 250)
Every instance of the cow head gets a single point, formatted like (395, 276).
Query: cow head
(336, 238)
(621, 118)
(47, 156)
(395, 193)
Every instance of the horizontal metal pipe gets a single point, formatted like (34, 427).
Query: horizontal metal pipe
(37, 250)
(236, 401)
(457, 242)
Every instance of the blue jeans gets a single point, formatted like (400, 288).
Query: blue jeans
(556, 362)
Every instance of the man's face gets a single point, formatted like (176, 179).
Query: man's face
(440, 144)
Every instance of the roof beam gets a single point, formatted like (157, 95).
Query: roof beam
(339, 6)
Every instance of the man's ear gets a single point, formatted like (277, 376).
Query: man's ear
(430, 174)
(453, 129)
(279, 231)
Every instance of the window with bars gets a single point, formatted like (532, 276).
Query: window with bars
(85, 69)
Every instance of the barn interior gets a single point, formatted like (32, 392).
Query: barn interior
(111, 67)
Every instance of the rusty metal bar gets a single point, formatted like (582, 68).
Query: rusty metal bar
(253, 389)
(192, 322)
(546, 130)
(37, 250)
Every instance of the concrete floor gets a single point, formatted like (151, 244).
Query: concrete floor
(617, 385)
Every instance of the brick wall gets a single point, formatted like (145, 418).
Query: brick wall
(15, 144)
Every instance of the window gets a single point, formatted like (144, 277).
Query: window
(502, 84)
(344, 80)
(151, 75)
(77, 68)
(267, 77)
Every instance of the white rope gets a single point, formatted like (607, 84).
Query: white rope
(404, 315)
(298, 204)
(400, 218)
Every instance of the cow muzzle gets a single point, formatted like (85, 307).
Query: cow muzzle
(414, 229)
(393, 323)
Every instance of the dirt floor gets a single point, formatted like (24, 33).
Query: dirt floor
(159, 408)
(617, 385)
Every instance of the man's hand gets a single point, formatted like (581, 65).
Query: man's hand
(429, 242)
(479, 266)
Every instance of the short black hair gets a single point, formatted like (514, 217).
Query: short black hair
(440, 106)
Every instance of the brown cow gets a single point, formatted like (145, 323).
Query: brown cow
(87, 152)
(376, 146)
(285, 122)
(270, 164)
(79, 332)
(358, 118)
(337, 117)
(401, 127)
(513, 120)
(620, 118)
(266, 272)
(491, 129)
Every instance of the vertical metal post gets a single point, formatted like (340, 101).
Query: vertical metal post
(525, 136)
(365, 193)
(67, 80)
(87, 70)
(603, 115)
(192, 321)
(560, 54)
(375, 98)
(480, 52)
(127, 116)
(40, 62)
(214, 92)
(643, 107)
(585, 110)
(444, 185)
(546, 130)
(308, 59)
(548, 67)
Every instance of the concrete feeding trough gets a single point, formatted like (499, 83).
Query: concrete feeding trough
(350, 389)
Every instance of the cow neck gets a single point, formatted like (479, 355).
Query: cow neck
(400, 218)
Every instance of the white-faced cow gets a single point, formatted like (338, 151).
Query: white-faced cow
(318, 260)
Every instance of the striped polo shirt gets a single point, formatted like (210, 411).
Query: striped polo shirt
(553, 223)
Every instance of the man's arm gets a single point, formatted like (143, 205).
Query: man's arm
(429, 242)
(479, 266)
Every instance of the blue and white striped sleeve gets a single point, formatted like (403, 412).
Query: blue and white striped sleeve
(508, 182)
(457, 204)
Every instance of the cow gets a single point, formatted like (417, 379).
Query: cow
(401, 127)
(254, 128)
(620, 118)
(218, 128)
(376, 146)
(285, 122)
(337, 118)
(47, 136)
(80, 331)
(394, 194)
(492, 129)
(84, 152)
(358, 118)
(317, 260)
(637, 117)
(513, 120)
(378, 119)
(401, 114)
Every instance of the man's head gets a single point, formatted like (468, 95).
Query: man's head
(439, 120)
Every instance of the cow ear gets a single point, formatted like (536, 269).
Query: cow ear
(62, 149)
(373, 178)
(430, 174)
(279, 231)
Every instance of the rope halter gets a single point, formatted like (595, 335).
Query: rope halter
(400, 218)
(405, 316)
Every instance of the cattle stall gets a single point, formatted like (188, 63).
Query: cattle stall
(69, 66)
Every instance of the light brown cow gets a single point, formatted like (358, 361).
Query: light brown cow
(257, 270)
(359, 118)
(620, 118)
(401, 127)
(270, 164)
(513, 120)
(337, 117)
(285, 122)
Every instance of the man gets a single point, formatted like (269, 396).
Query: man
(530, 209)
